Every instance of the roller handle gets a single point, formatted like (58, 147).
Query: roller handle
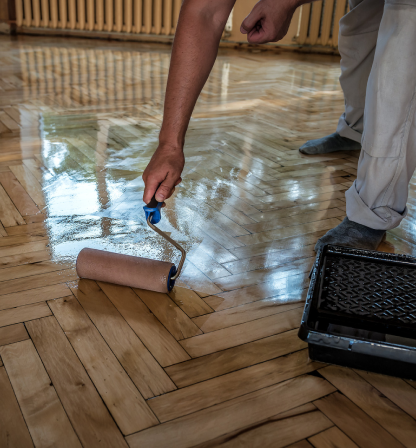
(153, 209)
(153, 214)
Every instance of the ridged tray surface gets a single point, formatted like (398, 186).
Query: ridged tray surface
(375, 291)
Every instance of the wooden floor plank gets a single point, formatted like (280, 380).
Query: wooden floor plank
(22, 245)
(295, 242)
(35, 295)
(301, 444)
(10, 216)
(233, 415)
(332, 438)
(244, 313)
(169, 314)
(396, 390)
(13, 429)
(153, 334)
(270, 260)
(280, 186)
(215, 250)
(220, 363)
(2, 230)
(289, 221)
(355, 423)
(24, 313)
(19, 259)
(29, 183)
(9, 122)
(286, 232)
(307, 199)
(242, 333)
(123, 400)
(27, 270)
(254, 277)
(32, 219)
(381, 409)
(36, 228)
(275, 215)
(37, 281)
(13, 333)
(277, 431)
(83, 405)
(285, 289)
(46, 419)
(199, 282)
(143, 369)
(226, 387)
(35, 167)
(189, 302)
(18, 195)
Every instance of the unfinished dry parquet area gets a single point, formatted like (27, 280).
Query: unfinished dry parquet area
(217, 362)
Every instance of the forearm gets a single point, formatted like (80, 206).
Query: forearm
(193, 55)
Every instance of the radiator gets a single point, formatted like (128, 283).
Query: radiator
(122, 16)
(319, 23)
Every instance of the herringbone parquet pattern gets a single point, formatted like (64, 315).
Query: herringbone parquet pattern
(217, 362)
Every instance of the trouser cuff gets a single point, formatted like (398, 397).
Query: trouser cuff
(346, 131)
(380, 218)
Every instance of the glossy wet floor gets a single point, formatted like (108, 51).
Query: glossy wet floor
(218, 361)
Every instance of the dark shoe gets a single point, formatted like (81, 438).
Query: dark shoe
(352, 234)
(330, 143)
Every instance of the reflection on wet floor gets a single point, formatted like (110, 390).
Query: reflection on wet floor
(250, 207)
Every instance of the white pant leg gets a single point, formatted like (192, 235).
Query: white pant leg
(388, 157)
(358, 32)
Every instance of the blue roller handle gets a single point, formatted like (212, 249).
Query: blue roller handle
(153, 209)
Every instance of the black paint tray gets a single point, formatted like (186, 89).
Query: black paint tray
(360, 311)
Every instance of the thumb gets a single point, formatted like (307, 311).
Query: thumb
(251, 20)
(165, 188)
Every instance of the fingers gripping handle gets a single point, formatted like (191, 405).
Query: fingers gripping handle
(153, 210)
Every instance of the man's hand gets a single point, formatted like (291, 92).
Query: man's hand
(269, 20)
(163, 173)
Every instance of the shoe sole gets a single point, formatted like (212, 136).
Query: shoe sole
(327, 152)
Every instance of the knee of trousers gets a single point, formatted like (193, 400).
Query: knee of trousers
(365, 17)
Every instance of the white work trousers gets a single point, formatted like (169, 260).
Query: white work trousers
(377, 44)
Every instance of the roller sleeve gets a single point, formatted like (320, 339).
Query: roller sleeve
(126, 270)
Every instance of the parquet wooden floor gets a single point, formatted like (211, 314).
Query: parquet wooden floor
(217, 362)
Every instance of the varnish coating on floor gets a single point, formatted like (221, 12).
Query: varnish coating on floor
(217, 362)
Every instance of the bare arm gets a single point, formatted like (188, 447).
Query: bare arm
(199, 30)
(200, 26)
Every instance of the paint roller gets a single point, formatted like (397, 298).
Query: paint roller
(127, 270)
